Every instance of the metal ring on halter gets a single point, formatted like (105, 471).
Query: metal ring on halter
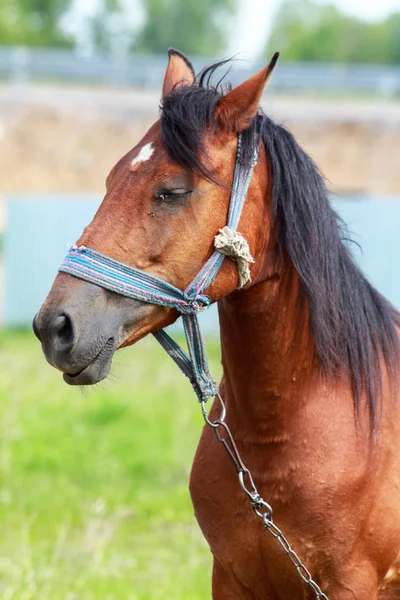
(217, 422)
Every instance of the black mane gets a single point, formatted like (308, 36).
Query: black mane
(353, 326)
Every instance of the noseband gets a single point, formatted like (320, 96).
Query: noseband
(113, 275)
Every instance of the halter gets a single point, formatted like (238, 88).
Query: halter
(113, 275)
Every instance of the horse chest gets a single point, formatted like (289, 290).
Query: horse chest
(236, 537)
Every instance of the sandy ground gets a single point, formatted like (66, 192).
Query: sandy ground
(55, 139)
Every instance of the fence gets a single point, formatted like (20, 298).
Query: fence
(23, 64)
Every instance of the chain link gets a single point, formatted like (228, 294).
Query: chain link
(260, 507)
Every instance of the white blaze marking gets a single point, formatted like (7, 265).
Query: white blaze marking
(144, 154)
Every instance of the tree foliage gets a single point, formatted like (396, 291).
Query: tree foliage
(305, 30)
(33, 23)
(198, 27)
(111, 32)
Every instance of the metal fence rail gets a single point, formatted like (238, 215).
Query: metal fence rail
(20, 65)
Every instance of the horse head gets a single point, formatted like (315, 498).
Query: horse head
(165, 201)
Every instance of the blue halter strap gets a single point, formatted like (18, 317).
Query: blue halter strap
(110, 274)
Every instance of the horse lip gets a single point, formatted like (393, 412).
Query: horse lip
(96, 370)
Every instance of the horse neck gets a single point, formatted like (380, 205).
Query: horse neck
(267, 350)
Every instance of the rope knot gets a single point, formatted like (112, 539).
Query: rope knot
(194, 305)
(232, 244)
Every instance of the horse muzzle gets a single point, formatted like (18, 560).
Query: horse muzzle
(81, 363)
(81, 325)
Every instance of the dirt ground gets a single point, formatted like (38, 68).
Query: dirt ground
(67, 142)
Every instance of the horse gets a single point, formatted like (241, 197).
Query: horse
(310, 350)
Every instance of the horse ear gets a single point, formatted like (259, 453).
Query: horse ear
(179, 72)
(238, 107)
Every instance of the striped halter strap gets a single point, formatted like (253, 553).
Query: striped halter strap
(113, 275)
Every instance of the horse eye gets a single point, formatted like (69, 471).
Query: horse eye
(177, 194)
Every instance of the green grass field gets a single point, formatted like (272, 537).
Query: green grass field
(94, 500)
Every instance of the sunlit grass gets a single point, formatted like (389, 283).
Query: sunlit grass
(94, 500)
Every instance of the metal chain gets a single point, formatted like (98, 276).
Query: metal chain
(260, 507)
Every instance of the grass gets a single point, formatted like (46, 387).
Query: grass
(94, 500)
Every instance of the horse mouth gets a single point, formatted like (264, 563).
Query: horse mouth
(98, 368)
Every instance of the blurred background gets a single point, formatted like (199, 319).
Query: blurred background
(93, 485)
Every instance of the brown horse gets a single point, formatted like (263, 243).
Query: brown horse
(309, 348)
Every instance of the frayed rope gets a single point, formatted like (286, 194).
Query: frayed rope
(231, 243)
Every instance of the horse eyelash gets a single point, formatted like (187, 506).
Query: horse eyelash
(165, 196)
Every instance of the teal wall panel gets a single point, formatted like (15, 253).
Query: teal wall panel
(38, 230)
(374, 224)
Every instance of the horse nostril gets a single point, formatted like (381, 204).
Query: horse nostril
(55, 331)
(36, 328)
(63, 330)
